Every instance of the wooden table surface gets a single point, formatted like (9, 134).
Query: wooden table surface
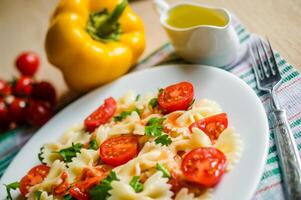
(280, 20)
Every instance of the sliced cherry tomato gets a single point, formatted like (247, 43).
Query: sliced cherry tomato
(5, 88)
(17, 110)
(90, 178)
(63, 187)
(118, 150)
(35, 176)
(23, 86)
(44, 91)
(27, 63)
(213, 126)
(205, 166)
(4, 115)
(175, 182)
(102, 115)
(176, 97)
(38, 112)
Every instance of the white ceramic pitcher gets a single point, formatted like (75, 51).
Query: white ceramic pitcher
(204, 44)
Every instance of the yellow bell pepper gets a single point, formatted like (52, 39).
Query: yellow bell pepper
(94, 41)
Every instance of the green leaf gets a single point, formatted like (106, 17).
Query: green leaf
(40, 155)
(135, 184)
(165, 172)
(101, 191)
(125, 114)
(164, 140)
(9, 187)
(37, 195)
(70, 152)
(93, 144)
(68, 197)
(137, 97)
(153, 103)
(160, 90)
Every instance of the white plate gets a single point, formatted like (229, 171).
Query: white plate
(236, 98)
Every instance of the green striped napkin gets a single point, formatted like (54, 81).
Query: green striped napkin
(289, 94)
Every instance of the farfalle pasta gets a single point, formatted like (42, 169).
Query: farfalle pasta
(157, 146)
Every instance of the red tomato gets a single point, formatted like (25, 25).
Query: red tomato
(35, 176)
(44, 91)
(27, 63)
(175, 182)
(118, 150)
(102, 115)
(62, 188)
(213, 126)
(5, 88)
(38, 112)
(4, 115)
(80, 190)
(17, 110)
(204, 166)
(23, 86)
(176, 97)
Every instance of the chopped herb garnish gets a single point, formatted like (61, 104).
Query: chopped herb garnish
(153, 103)
(93, 144)
(165, 172)
(135, 184)
(40, 155)
(9, 187)
(164, 140)
(101, 191)
(160, 90)
(37, 195)
(124, 115)
(68, 197)
(70, 152)
(137, 97)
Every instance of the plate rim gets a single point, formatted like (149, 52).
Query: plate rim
(155, 68)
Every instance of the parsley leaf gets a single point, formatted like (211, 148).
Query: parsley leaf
(101, 191)
(93, 144)
(40, 155)
(124, 115)
(68, 197)
(9, 187)
(165, 172)
(135, 184)
(37, 195)
(160, 90)
(137, 97)
(154, 126)
(70, 152)
(153, 103)
(164, 140)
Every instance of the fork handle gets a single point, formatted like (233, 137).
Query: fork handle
(289, 158)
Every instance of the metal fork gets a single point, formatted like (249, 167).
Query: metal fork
(268, 79)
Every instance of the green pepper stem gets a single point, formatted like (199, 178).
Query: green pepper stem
(109, 25)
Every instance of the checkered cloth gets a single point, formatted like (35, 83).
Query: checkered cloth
(289, 95)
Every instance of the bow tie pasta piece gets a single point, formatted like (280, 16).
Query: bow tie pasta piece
(53, 178)
(126, 102)
(74, 135)
(207, 107)
(230, 144)
(155, 188)
(183, 194)
(85, 159)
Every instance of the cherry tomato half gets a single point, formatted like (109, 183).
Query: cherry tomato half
(4, 115)
(205, 166)
(38, 112)
(90, 178)
(176, 97)
(27, 63)
(102, 115)
(17, 110)
(23, 86)
(118, 150)
(44, 91)
(5, 88)
(35, 176)
(213, 126)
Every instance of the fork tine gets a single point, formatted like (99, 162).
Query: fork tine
(275, 69)
(270, 66)
(261, 63)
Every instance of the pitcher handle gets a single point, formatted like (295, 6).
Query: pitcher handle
(161, 6)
